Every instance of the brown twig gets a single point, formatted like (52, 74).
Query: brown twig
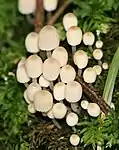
(94, 97)
(58, 12)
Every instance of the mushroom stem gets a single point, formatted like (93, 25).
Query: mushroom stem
(34, 80)
(51, 85)
(75, 148)
(56, 124)
(49, 15)
(48, 53)
(79, 72)
(90, 48)
(73, 49)
(26, 85)
(100, 62)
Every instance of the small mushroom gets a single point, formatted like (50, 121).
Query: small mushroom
(99, 44)
(61, 55)
(21, 62)
(34, 66)
(59, 110)
(50, 114)
(31, 42)
(97, 69)
(67, 73)
(98, 54)
(84, 104)
(69, 20)
(26, 7)
(74, 139)
(73, 92)
(26, 97)
(93, 109)
(43, 101)
(50, 5)
(43, 82)
(89, 75)
(31, 108)
(72, 119)
(105, 66)
(59, 90)
(88, 38)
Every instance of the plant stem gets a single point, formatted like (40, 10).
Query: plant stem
(56, 123)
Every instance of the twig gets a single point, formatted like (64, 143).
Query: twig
(58, 12)
(94, 97)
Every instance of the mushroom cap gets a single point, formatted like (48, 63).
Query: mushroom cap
(97, 69)
(93, 109)
(21, 74)
(51, 69)
(61, 55)
(105, 66)
(48, 38)
(84, 104)
(43, 101)
(80, 59)
(26, 7)
(59, 90)
(59, 110)
(72, 119)
(31, 108)
(31, 90)
(34, 66)
(74, 139)
(88, 38)
(97, 54)
(99, 44)
(69, 20)
(26, 97)
(89, 75)
(31, 42)
(50, 5)
(73, 91)
(67, 73)
(50, 114)
(74, 36)
(21, 62)
(43, 82)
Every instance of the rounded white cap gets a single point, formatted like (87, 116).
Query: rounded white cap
(31, 108)
(43, 101)
(89, 75)
(93, 109)
(31, 42)
(26, 97)
(67, 73)
(105, 66)
(34, 66)
(74, 139)
(88, 38)
(74, 36)
(61, 55)
(31, 90)
(50, 114)
(59, 110)
(80, 59)
(98, 54)
(72, 119)
(69, 20)
(59, 90)
(84, 104)
(21, 74)
(51, 69)
(97, 69)
(26, 7)
(99, 44)
(43, 82)
(73, 92)
(50, 5)
(21, 62)
(48, 38)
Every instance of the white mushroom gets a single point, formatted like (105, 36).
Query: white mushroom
(69, 20)
(59, 110)
(43, 101)
(43, 82)
(98, 54)
(99, 44)
(105, 66)
(50, 114)
(31, 108)
(84, 104)
(31, 90)
(21, 62)
(26, 97)
(72, 119)
(97, 69)
(74, 139)
(73, 92)
(51, 69)
(67, 73)
(50, 5)
(34, 66)
(61, 55)
(93, 109)
(88, 38)
(89, 75)
(31, 42)
(59, 90)
(26, 7)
